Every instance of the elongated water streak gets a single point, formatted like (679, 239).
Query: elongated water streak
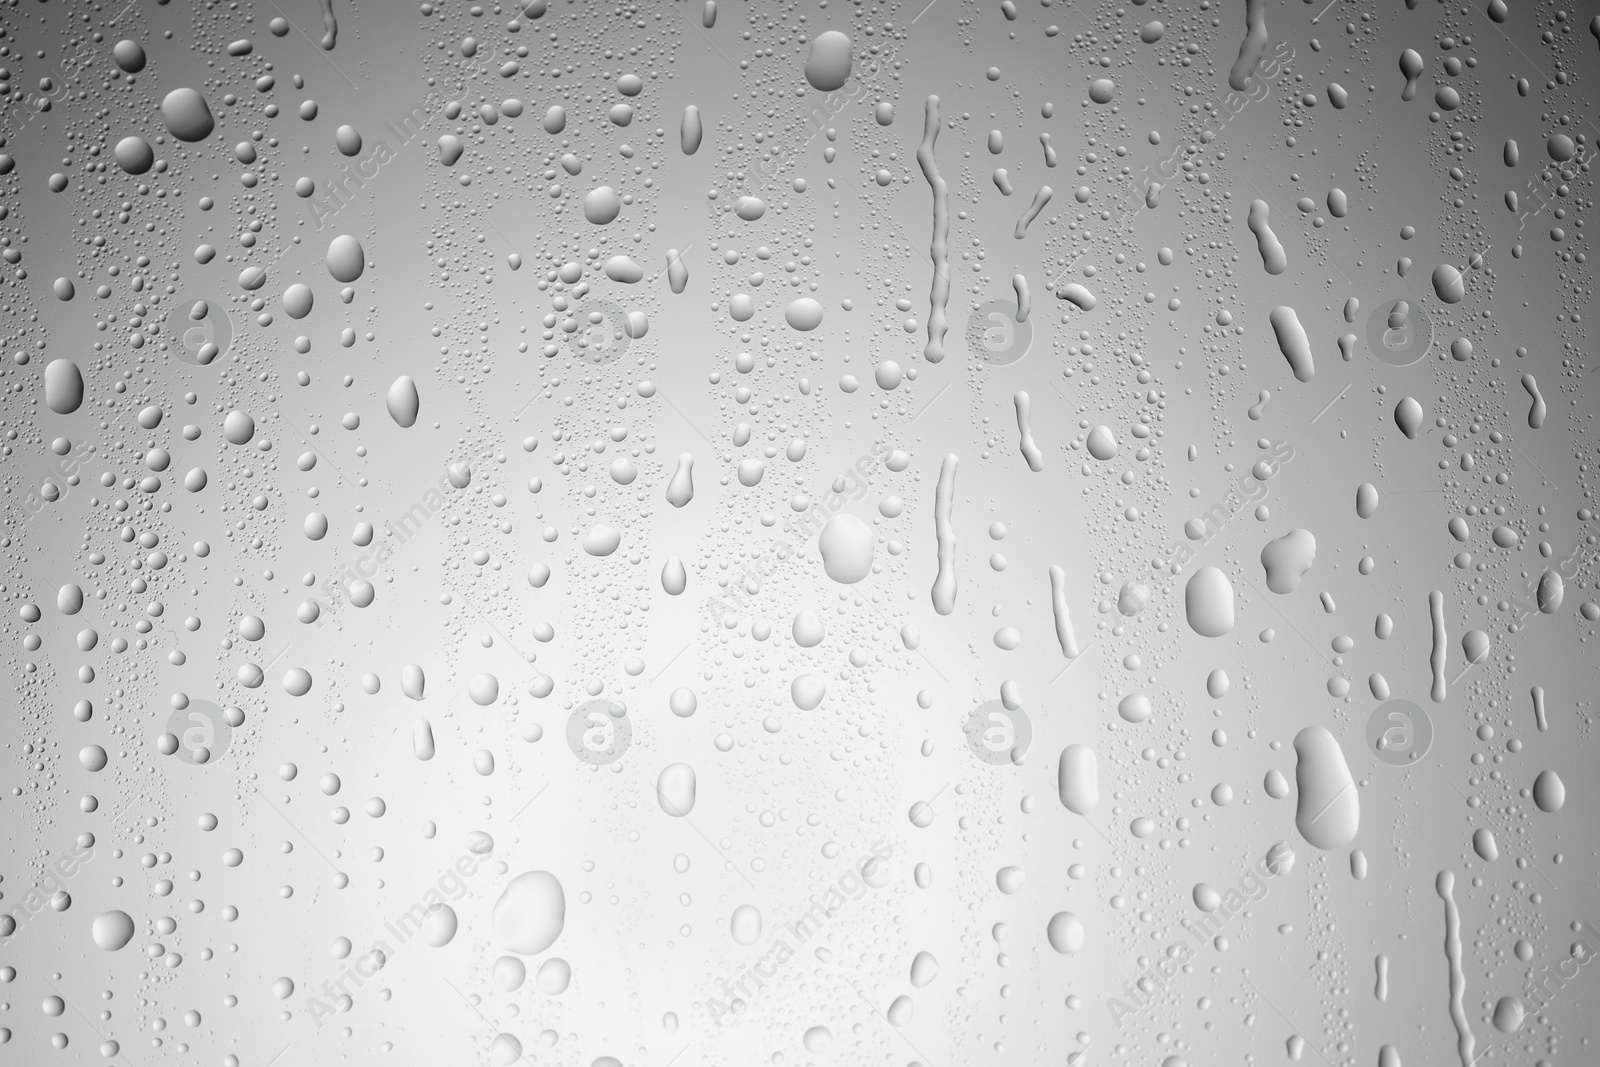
(939, 250)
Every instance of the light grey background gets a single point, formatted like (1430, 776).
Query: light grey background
(788, 801)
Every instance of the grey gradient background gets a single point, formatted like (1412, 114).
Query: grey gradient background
(788, 801)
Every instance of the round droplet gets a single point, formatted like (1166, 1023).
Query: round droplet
(554, 976)
(530, 913)
(348, 140)
(483, 689)
(439, 928)
(238, 428)
(1549, 792)
(129, 55)
(808, 629)
(602, 540)
(817, 1040)
(134, 154)
(804, 314)
(1009, 880)
(1102, 443)
(505, 1050)
(346, 259)
(112, 930)
(807, 691)
(508, 974)
(297, 300)
(1508, 1014)
(602, 205)
(828, 61)
(187, 115)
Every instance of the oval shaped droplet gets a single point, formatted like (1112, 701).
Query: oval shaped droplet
(1078, 779)
(1208, 602)
(675, 789)
(1328, 810)
(402, 401)
(1549, 791)
(63, 386)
